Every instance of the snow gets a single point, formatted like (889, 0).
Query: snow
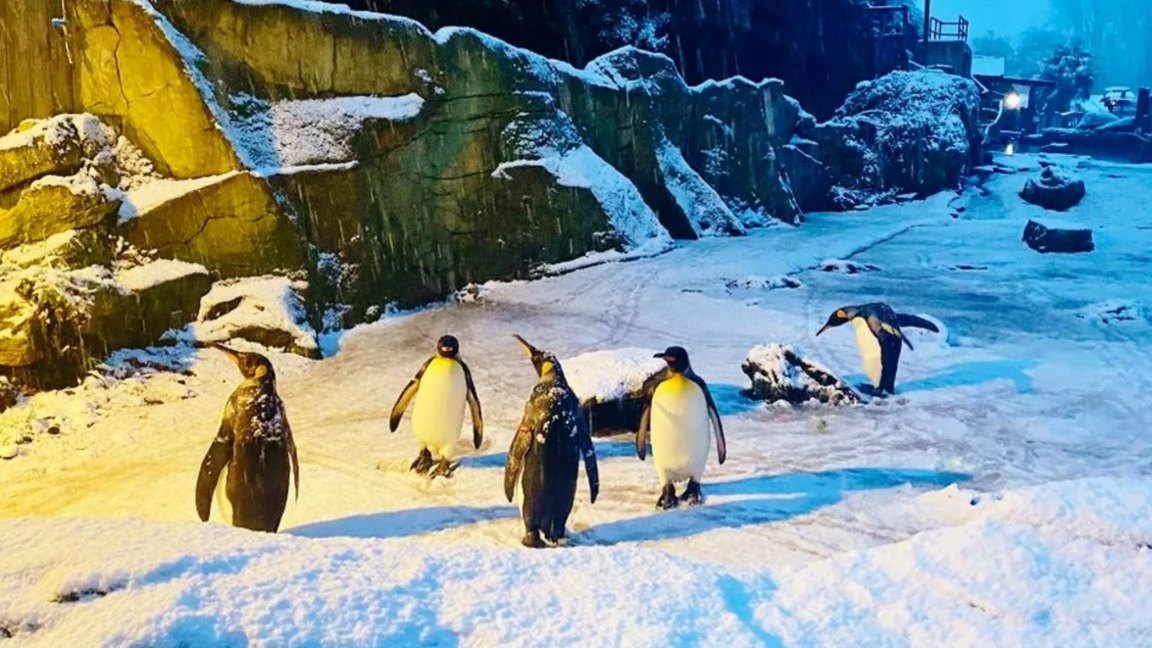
(268, 303)
(603, 376)
(149, 195)
(294, 133)
(705, 209)
(824, 527)
(157, 272)
(991, 66)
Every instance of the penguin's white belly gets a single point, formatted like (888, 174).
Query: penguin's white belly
(439, 409)
(679, 430)
(223, 506)
(869, 350)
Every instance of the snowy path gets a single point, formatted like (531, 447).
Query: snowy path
(1021, 390)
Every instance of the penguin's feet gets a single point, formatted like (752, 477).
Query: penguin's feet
(668, 498)
(532, 540)
(423, 462)
(444, 469)
(692, 494)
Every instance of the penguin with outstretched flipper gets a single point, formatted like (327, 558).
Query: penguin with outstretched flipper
(677, 418)
(441, 387)
(252, 461)
(543, 463)
(879, 338)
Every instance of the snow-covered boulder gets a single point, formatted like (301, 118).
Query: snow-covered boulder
(1094, 120)
(39, 148)
(757, 282)
(1054, 190)
(846, 266)
(779, 373)
(1113, 311)
(9, 394)
(612, 385)
(267, 310)
(1051, 236)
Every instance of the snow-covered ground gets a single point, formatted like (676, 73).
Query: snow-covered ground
(1002, 498)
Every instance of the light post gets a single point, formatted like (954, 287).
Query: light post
(927, 26)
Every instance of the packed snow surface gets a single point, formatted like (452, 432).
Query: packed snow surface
(1001, 498)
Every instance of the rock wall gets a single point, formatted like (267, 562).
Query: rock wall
(35, 74)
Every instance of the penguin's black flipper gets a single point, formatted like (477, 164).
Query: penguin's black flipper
(521, 443)
(642, 433)
(290, 441)
(714, 416)
(473, 407)
(406, 397)
(218, 457)
(903, 319)
(588, 451)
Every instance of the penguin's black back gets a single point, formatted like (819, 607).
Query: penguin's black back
(259, 474)
(551, 468)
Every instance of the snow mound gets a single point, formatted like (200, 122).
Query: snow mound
(303, 132)
(846, 266)
(757, 282)
(1113, 310)
(992, 580)
(266, 310)
(604, 376)
(779, 373)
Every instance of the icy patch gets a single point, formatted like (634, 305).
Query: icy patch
(757, 282)
(158, 272)
(267, 309)
(845, 266)
(295, 133)
(603, 376)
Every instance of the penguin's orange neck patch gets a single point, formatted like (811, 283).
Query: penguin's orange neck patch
(546, 368)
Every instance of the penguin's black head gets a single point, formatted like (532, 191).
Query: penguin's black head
(447, 347)
(252, 365)
(676, 357)
(545, 363)
(841, 316)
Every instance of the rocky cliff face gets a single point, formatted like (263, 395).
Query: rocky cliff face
(366, 161)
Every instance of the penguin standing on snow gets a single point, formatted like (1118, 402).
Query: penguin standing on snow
(444, 384)
(879, 338)
(249, 464)
(544, 460)
(677, 418)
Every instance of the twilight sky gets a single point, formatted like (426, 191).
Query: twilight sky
(1003, 16)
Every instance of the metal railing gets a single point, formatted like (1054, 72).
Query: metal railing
(940, 30)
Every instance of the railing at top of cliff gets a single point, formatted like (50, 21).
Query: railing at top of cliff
(941, 30)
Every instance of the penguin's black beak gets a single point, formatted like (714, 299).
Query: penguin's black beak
(232, 355)
(822, 329)
(529, 350)
(664, 356)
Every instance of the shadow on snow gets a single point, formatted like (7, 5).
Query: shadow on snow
(398, 524)
(977, 373)
(767, 498)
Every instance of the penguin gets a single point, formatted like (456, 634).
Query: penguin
(879, 338)
(677, 416)
(444, 384)
(543, 462)
(249, 464)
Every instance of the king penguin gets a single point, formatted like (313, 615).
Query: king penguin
(677, 417)
(544, 460)
(441, 387)
(879, 339)
(249, 464)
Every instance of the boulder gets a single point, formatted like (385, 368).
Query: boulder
(1054, 190)
(53, 205)
(73, 249)
(1056, 237)
(779, 373)
(613, 386)
(42, 148)
(9, 394)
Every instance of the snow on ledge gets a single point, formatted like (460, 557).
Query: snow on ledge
(158, 272)
(150, 195)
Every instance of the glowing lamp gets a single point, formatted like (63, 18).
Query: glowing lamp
(1010, 149)
(1012, 100)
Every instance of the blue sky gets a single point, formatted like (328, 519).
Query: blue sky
(1004, 16)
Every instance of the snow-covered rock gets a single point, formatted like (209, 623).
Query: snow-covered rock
(779, 373)
(612, 385)
(846, 266)
(757, 282)
(1113, 311)
(1054, 190)
(267, 310)
(1055, 236)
